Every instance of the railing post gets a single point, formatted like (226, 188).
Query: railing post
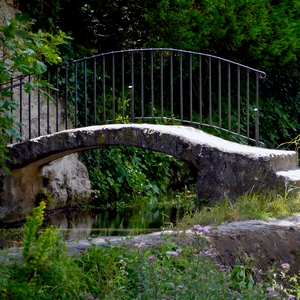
(131, 104)
(256, 127)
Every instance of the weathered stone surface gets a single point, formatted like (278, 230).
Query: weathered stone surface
(266, 244)
(16, 189)
(67, 180)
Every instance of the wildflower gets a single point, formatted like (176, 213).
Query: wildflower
(90, 297)
(181, 287)
(172, 253)
(208, 252)
(197, 228)
(179, 250)
(202, 277)
(151, 257)
(207, 229)
(140, 245)
(272, 294)
(17, 244)
(285, 266)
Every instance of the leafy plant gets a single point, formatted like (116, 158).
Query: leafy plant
(24, 53)
(128, 173)
(46, 270)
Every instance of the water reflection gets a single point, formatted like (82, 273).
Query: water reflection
(113, 222)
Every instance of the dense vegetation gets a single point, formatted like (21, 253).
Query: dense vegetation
(176, 269)
(263, 34)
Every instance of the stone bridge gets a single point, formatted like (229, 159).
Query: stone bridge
(224, 167)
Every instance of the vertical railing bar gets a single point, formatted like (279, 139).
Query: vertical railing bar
(132, 89)
(220, 93)
(21, 105)
(248, 106)
(257, 113)
(48, 105)
(123, 87)
(11, 98)
(210, 92)
(229, 98)
(200, 91)
(85, 95)
(57, 97)
(191, 88)
(171, 84)
(142, 84)
(66, 100)
(152, 86)
(104, 90)
(181, 88)
(76, 96)
(113, 89)
(239, 98)
(29, 111)
(95, 90)
(161, 85)
(39, 112)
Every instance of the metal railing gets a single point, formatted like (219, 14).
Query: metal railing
(166, 86)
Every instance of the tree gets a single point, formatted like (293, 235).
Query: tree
(24, 53)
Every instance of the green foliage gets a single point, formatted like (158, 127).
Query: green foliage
(241, 277)
(171, 270)
(46, 197)
(46, 270)
(182, 268)
(257, 31)
(24, 53)
(127, 174)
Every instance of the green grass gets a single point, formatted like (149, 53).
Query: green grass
(255, 206)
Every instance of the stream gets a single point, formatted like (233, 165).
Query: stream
(113, 222)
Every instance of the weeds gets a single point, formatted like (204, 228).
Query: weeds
(169, 271)
(247, 207)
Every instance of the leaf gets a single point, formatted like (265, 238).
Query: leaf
(29, 87)
(24, 18)
(6, 93)
(25, 69)
(39, 67)
(29, 52)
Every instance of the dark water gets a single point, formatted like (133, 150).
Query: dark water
(113, 222)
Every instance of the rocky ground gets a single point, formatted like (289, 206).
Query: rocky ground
(265, 244)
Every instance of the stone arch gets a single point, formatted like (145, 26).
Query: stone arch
(223, 167)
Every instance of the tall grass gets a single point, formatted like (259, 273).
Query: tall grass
(247, 207)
